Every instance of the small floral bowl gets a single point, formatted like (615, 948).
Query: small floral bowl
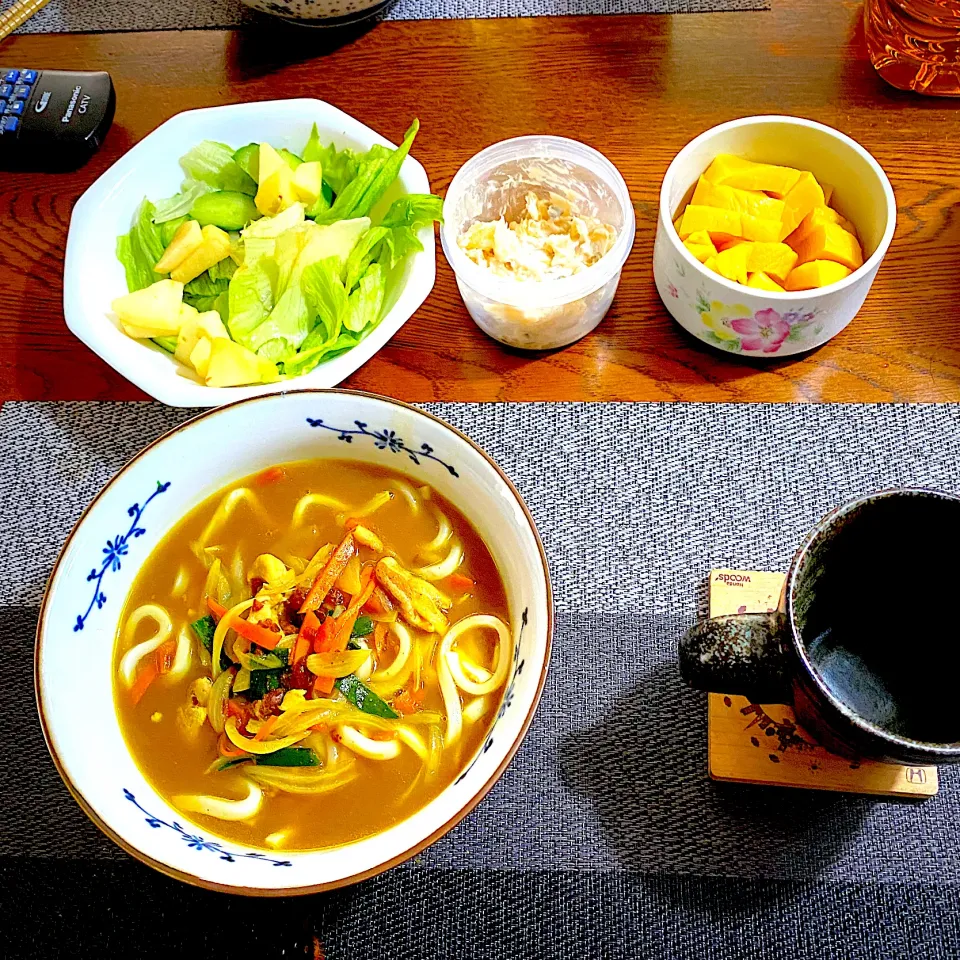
(760, 323)
(131, 515)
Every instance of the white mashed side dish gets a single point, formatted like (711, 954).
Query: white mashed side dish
(550, 241)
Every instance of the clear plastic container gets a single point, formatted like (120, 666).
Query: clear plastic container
(537, 314)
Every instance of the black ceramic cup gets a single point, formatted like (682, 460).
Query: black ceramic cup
(868, 648)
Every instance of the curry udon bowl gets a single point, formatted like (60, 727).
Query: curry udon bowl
(84, 607)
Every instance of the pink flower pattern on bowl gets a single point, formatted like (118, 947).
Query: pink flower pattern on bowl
(735, 327)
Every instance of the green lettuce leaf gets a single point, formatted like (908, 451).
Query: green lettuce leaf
(400, 242)
(212, 163)
(363, 254)
(250, 298)
(223, 270)
(339, 166)
(140, 249)
(180, 203)
(205, 286)
(350, 198)
(325, 296)
(414, 210)
(386, 175)
(310, 357)
(366, 302)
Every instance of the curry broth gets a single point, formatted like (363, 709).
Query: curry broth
(381, 794)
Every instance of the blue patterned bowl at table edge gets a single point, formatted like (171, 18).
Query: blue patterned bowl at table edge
(129, 517)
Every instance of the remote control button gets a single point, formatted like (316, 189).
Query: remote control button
(11, 76)
(15, 107)
(6, 90)
(28, 76)
(21, 91)
(9, 124)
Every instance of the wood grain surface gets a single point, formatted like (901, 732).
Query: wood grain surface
(636, 88)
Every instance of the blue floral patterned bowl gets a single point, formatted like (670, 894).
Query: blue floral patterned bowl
(129, 517)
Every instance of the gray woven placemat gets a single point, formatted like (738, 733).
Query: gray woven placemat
(85, 16)
(635, 503)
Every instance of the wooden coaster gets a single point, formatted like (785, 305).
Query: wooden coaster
(762, 743)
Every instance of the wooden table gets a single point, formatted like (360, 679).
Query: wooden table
(636, 88)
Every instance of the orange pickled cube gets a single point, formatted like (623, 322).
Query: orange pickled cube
(819, 216)
(804, 196)
(774, 259)
(753, 202)
(718, 223)
(730, 171)
(732, 262)
(756, 228)
(725, 243)
(700, 245)
(761, 281)
(830, 242)
(816, 273)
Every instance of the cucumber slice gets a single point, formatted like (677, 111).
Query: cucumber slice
(248, 160)
(224, 209)
(293, 161)
(168, 228)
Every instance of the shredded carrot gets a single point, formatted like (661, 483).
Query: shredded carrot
(268, 725)
(458, 583)
(270, 475)
(408, 701)
(322, 686)
(346, 622)
(352, 523)
(261, 636)
(326, 635)
(329, 574)
(380, 637)
(308, 630)
(164, 656)
(229, 749)
(145, 677)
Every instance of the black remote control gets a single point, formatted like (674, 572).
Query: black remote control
(52, 119)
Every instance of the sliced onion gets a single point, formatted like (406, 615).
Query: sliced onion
(130, 660)
(337, 664)
(223, 628)
(221, 808)
(377, 501)
(307, 780)
(258, 747)
(311, 500)
(217, 702)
